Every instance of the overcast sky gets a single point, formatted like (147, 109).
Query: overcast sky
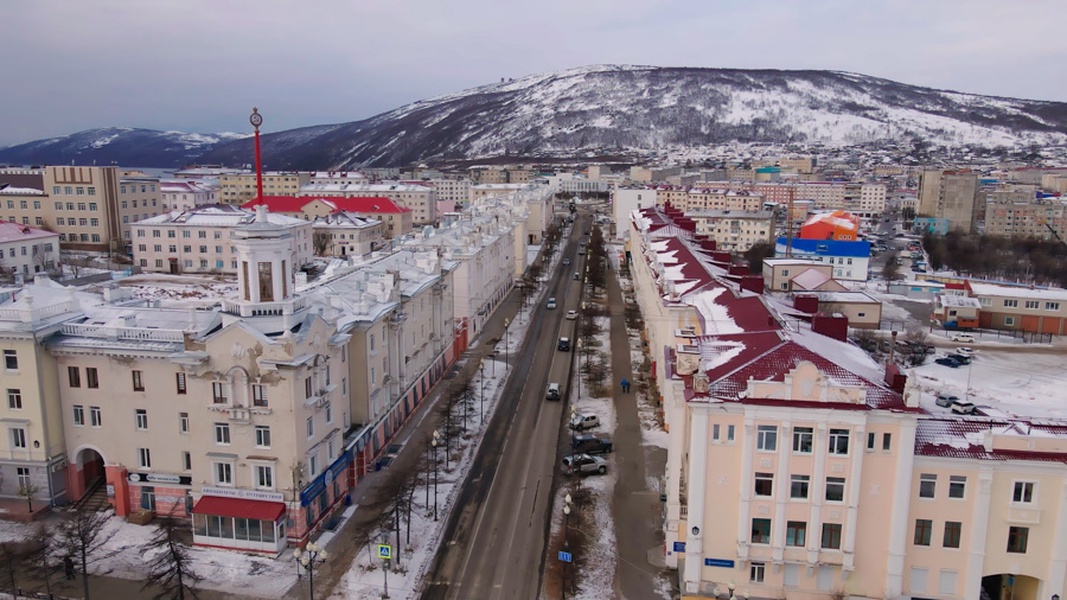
(200, 65)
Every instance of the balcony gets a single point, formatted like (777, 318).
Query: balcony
(137, 334)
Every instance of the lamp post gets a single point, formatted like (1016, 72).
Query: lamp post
(507, 340)
(311, 557)
(574, 413)
(732, 586)
(481, 393)
(566, 530)
(578, 345)
(434, 442)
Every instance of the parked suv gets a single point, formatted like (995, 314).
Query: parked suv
(584, 464)
(553, 391)
(945, 400)
(564, 344)
(963, 338)
(583, 422)
(963, 408)
(590, 443)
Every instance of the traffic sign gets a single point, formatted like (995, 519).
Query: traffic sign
(565, 556)
(385, 551)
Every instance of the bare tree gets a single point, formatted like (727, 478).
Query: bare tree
(27, 491)
(82, 535)
(41, 556)
(169, 563)
(12, 558)
(891, 270)
(320, 242)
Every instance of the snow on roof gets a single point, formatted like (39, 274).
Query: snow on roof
(342, 219)
(365, 204)
(217, 215)
(846, 297)
(992, 289)
(785, 262)
(811, 279)
(717, 319)
(311, 188)
(955, 301)
(11, 190)
(15, 232)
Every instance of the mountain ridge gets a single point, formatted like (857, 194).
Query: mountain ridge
(628, 110)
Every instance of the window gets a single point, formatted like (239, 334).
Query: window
(262, 436)
(1024, 492)
(795, 533)
(767, 438)
(92, 378)
(218, 390)
(313, 465)
(329, 412)
(831, 536)
(1017, 538)
(729, 433)
(798, 486)
(756, 572)
(223, 473)
(141, 418)
(138, 381)
(74, 377)
(18, 438)
(871, 437)
(96, 418)
(311, 426)
(887, 442)
(761, 531)
(14, 398)
(715, 432)
(835, 489)
(222, 433)
(179, 380)
(803, 439)
(957, 485)
(951, 538)
(927, 485)
(1029, 303)
(11, 360)
(923, 529)
(1009, 321)
(307, 387)
(259, 395)
(79, 415)
(187, 461)
(1011, 303)
(839, 441)
(23, 474)
(264, 476)
(183, 422)
(1052, 306)
(764, 484)
(144, 456)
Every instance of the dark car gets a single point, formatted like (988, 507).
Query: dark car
(588, 443)
(963, 360)
(564, 344)
(566, 261)
(948, 362)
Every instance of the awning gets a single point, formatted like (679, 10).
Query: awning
(239, 507)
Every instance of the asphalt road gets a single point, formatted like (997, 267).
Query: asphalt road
(494, 542)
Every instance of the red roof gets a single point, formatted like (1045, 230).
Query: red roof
(239, 507)
(293, 204)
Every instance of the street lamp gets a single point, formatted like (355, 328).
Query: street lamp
(566, 530)
(434, 442)
(481, 392)
(311, 557)
(578, 345)
(507, 342)
(731, 586)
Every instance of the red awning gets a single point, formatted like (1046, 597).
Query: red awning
(239, 507)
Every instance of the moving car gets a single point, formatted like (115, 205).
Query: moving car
(551, 303)
(577, 276)
(963, 338)
(572, 314)
(566, 261)
(591, 443)
(965, 351)
(948, 362)
(584, 464)
(564, 344)
(583, 422)
(963, 360)
(963, 408)
(552, 393)
(946, 401)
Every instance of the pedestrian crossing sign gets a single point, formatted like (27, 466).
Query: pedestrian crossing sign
(385, 551)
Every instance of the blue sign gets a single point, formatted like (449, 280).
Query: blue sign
(318, 485)
(718, 562)
(565, 556)
(679, 546)
(385, 551)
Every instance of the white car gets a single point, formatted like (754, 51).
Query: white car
(965, 351)
(963, 338)
(572, 314)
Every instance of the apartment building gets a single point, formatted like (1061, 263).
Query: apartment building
(1019, 213)
(26, 250)
(951, 195)
(721, 199)
(239, 188)
(1020, 308)
(396, 219)
(140, 198)
(421, 200)
(451, 190)
(185, 194)
(83, 206)
(345, 234)
(201, 240)
(734, 230)
(480, 174)
(797, 274)
(849, 259)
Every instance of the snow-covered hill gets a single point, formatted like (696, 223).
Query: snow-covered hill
(634, 110)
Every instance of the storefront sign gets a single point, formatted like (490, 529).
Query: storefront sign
(245, 494)
(718, 562)
(159, 478)
(318, 485)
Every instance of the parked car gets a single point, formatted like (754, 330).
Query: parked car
(963, 360)
(572, 314)
(589, 443)
(963, 338)
(966, 351)
(946, 401)
(583, 422)
(552, 393)
(581, 251)
(551, 303)
(577, 275)
(566, 261)
(963, 408)
(948, 362)
(584, 464)
(564, 344)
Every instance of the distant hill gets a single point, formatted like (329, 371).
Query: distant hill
(619, 110)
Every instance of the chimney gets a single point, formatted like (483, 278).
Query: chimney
(752, 283)
(739, 269)
(708, 244)
(808, 303)
(895, 379)
(832, 326)
(720, 257)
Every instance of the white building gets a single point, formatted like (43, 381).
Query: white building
(420, 199)
(345, 234)
(25, 250)
(186, 194)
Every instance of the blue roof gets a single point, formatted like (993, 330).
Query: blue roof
(860, 249)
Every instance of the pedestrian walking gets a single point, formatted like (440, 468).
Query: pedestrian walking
(625, 385)
(68, 567)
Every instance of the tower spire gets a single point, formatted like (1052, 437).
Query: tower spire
(256, 120)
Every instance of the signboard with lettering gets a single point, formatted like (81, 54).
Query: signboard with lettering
(679, 546)
(565, 556)
(718, 562)
(243, 494)
(164, 478)
(318, 485)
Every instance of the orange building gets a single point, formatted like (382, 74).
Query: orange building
(837, 225)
